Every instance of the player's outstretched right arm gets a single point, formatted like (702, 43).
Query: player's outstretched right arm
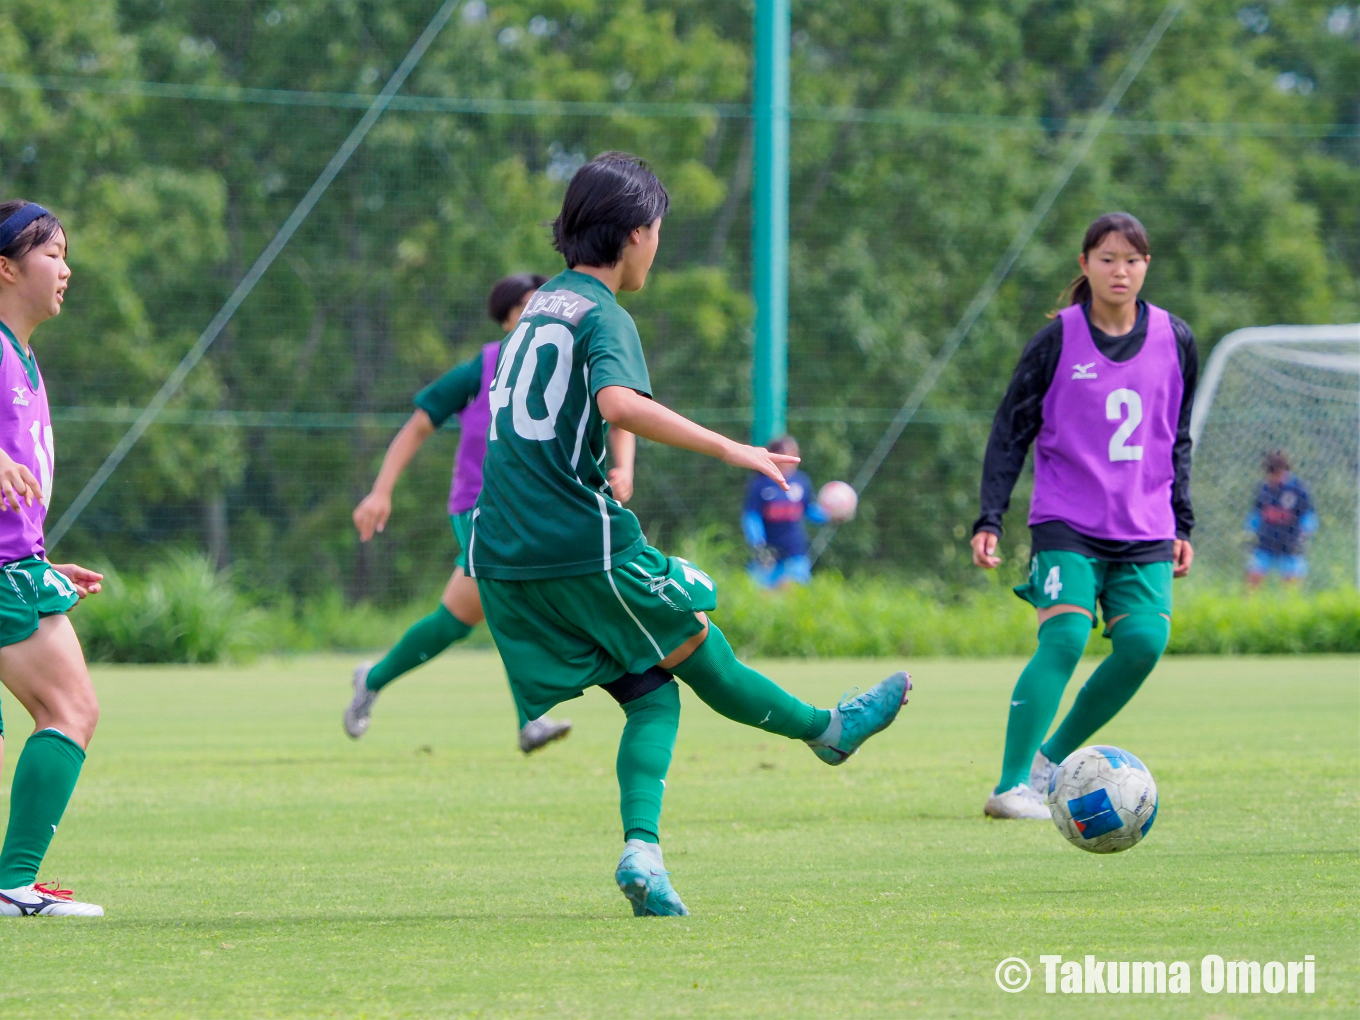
(373, 510)
(628, 409)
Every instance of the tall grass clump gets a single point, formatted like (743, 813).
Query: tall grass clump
(835, 616)
(181, 610)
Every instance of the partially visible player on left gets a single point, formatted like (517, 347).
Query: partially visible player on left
(40, 657)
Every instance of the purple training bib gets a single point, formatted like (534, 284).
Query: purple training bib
(26, 435)
(1102, 462)
(467, 465)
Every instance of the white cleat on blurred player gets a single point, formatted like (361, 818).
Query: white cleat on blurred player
(44, 899)
(1017, 802)
(356, 716)
(541, 732)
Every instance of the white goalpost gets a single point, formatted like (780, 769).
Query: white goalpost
(1291, 389)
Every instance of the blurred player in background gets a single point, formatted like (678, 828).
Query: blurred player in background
(772, 520)
(1281, 519)
(574, 595)
(462, 391)
(41, 661)
(1106, 390)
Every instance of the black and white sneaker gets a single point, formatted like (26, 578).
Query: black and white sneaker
(356, 716)
(541, 732)
(44, 899)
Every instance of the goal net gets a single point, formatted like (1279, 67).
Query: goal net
(1290, 394)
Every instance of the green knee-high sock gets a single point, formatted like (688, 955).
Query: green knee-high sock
(740, 693)
(43, 780)
(1034, 702)
(425, 639)
(1139, 640)
(644, 759)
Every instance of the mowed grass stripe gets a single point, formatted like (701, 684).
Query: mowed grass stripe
(255, 862)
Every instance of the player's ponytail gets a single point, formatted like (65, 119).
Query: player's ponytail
(1078, 292)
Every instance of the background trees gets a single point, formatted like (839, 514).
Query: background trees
(925, 130)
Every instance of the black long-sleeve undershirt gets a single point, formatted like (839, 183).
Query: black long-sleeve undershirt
(1020, 417)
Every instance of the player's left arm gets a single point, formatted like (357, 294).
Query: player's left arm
(626, 408)
(1183, 553)
(84, 580)
(623, 451)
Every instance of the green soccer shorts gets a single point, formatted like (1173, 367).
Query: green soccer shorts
(30, 590)
(560, 635)
(1061, 578)
(462, 526)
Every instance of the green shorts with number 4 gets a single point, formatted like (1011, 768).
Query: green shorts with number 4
(1061, 578)
(560, 635)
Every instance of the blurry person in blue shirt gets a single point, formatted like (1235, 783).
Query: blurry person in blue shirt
(772, 520)
(1281, 519)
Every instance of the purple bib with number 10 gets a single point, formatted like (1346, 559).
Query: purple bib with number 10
(26, 435)
(1102, 462)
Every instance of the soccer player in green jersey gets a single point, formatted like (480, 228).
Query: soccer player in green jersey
(573, 594)
(462, 391)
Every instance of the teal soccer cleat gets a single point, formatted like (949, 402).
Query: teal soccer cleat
(641, 876)
(857, 719)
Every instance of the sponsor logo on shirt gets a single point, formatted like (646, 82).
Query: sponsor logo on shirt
(1084, 371)
(560, 304)
(21, 395)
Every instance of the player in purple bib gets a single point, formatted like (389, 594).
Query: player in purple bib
(40, 657)
(1104, 395)
(462, 391)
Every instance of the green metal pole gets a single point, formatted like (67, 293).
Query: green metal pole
(770, 367)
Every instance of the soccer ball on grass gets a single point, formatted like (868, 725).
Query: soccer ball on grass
(1103, 799)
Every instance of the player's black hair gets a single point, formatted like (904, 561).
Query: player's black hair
(509, 291)
(782, 444)
(1078, 292)
(1275, 460)
(35, 235)
(607, 199)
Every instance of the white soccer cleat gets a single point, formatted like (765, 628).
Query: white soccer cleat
(1017, 802)
(542, 731)
(44, 899)
(356, 716)
(1041, 774)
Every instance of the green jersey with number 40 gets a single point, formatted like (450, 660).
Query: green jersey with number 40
(545, 508)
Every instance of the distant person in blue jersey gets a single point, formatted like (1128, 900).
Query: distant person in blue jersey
(772, 521)
(1281, 519)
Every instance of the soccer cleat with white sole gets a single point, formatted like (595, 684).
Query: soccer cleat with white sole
(857, 719)
(356, 716)
(643, 878)
(1041, 773)
(1017, 802)
(44, 899)
(541, 732)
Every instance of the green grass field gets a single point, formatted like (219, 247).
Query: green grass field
(255, 862)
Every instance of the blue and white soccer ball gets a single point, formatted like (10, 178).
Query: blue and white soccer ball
(1103, 799)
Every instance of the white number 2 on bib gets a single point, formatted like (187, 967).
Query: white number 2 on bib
(1114, 411)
